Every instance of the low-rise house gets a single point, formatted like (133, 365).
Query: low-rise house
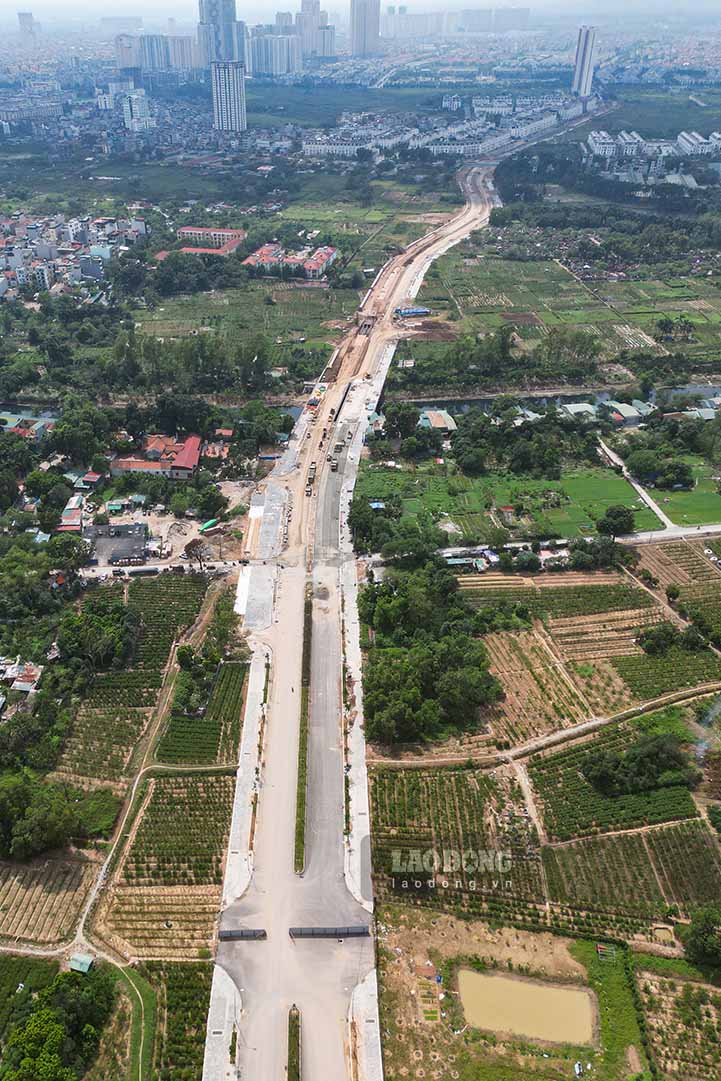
(21, 675)
(626, 416)
(439, 420)
(578, 409)
(163, 455)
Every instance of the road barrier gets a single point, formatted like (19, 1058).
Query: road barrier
(242, 932)
(358, 931)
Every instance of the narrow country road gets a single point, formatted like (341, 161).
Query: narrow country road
(617, 460)
(302, 543)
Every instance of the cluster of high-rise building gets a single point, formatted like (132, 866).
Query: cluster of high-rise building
(398, 22)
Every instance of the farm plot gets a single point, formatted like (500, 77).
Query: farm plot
(215, 736)
(606, 634)
(165, 899)
(558, 597)
(419, 812)
(110, 723)
(679, 563)
(602, 686)
(172, 923)
(40, 901)
(574, 808)
(701, 602)
(682, 1024)
(167, 605)
(538, 695)
(182, 832)
(648, 676)
(568, 507)
(604, 875)
(33, 974)
(712, 775)
(183, 997)
(100, 746)
(688, 863)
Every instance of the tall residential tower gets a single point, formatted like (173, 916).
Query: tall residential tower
(228, 79)
(585, 60)
(365, 17)
(216, 30)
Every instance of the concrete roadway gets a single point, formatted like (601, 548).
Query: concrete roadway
(319, 975)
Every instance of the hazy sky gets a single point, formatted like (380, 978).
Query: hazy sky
(55, 11)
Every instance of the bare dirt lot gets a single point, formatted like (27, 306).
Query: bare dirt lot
(424, 1031)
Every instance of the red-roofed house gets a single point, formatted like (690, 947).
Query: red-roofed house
(213, 241)
(163, 455)
(267, 256)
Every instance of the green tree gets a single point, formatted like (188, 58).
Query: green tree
(702, 940)
(617, 521)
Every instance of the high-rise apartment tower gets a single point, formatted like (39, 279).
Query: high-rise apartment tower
(228, 81)
(585, 60)
(365, 18)
(216, 30)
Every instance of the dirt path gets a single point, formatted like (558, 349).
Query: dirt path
(530, 801)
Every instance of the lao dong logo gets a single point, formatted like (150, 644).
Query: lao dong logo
(449, 868)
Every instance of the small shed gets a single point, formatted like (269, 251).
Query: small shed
(81, 962)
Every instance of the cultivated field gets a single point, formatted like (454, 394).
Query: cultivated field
(573, 808)
(539, 697)
(213, 737)
(639, 873)
(416, 811)
(556, 596)
(164, 899)
(678, 562)
(606, 634)
(40, 901)
(108, 727)
(183, 997)
(568, 507)
(536, 296)
(682, 1019)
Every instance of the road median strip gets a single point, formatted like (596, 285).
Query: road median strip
(294, 1045)
(302, 786)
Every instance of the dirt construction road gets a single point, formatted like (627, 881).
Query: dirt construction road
(319, 976)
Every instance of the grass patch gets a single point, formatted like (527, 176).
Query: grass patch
(611, 980)
(302, 784)
(567, 508)
(294, 1073)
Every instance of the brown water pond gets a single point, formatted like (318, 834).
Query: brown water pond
(531, 1008)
